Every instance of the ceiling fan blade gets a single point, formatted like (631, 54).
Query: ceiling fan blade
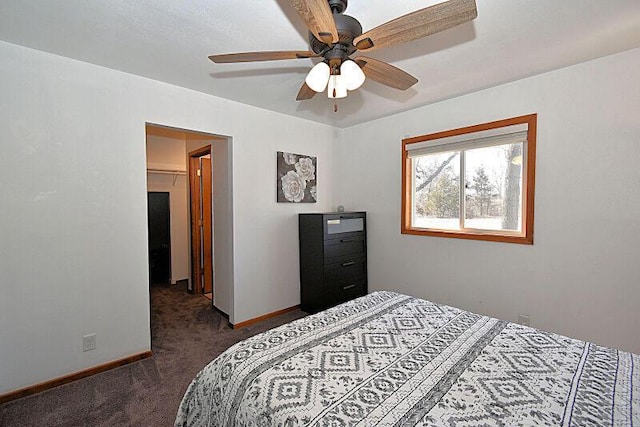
(305, 93)
(262, 56)
(318, 17)
(385, 74)
(418, 24)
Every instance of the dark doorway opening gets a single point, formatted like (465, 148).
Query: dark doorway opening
(159, 238)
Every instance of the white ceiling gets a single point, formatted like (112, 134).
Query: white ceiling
(169, 40)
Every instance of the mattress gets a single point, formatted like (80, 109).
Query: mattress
(388, 359)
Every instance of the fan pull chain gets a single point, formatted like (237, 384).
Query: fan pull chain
(335, 107)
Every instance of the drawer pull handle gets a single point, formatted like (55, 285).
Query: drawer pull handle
(347, 264)
(346, 240)
(349, 287)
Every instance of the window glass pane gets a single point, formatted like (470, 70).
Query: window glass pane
(436, 183)
(493, 188)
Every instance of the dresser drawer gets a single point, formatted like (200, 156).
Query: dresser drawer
(346, 291)
(344, 225)
(349, 269)
(337, 249)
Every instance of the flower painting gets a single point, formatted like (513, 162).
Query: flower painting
(296, 178)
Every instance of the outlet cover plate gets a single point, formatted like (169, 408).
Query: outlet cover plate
(89, 342)
(524, 319)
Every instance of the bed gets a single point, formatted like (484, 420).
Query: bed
(388, 359)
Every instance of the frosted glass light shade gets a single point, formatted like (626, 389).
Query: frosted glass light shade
(336, 82)
(318, 77)
(352, 74)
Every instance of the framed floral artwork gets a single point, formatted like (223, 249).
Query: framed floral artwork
(296, 178)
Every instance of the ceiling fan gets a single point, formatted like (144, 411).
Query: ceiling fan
(335, 37)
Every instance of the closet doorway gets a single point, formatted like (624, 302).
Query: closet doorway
(196, 168)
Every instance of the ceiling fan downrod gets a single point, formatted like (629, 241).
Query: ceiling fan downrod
(338, 6)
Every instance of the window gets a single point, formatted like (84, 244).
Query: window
(475, 182)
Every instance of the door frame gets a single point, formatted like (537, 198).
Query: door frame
(196, 199)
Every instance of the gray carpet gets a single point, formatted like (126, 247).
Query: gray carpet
(186, 334)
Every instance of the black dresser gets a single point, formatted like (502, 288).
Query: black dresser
(333, 258)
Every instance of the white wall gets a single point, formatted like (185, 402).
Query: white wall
(165, 149)
(73, 238)
(167, 153)
(222, 199)
(266, 232)
(581, 277)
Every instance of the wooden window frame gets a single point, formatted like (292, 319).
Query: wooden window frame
(528, 184)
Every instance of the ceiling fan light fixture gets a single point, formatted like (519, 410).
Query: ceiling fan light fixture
(336, 88)
(318, 77)
(352, 74)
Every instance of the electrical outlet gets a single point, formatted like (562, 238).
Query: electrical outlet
(524, 319)
(89, 342)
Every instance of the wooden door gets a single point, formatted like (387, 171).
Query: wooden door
(207, 251)
(201, 220)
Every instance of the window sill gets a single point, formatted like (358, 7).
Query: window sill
(479, 235)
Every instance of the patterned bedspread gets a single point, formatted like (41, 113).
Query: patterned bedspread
(391, 360)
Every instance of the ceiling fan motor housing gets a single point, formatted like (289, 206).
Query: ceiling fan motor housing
(348, 29)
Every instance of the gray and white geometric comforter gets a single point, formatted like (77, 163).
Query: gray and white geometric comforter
(391, 360)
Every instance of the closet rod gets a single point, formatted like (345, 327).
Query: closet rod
(166, 172)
